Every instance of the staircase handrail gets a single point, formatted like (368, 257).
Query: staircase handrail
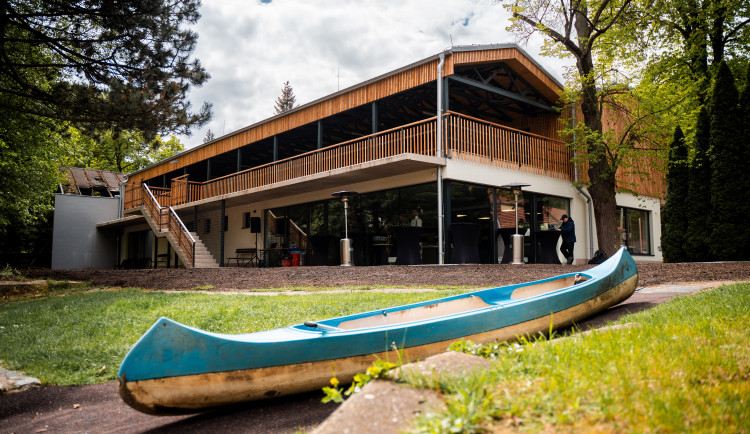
(185, 231)
(172, 216)
(152, 204)
(182, 225)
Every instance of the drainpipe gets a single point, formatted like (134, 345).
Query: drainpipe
(439, 153)
(580, 190)
(121, 210)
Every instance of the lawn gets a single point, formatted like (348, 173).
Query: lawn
(684, 366)
(72, 337)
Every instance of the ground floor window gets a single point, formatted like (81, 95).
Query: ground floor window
(494, 211)
(384, 224)
(634, 230)
(374, 220)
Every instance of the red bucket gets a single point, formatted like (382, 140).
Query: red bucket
(286, 262)
(295, 259)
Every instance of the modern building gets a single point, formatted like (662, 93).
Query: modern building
(86, 197)
(429, 148)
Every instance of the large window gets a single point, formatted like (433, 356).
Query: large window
(373, 218)
(634, 230)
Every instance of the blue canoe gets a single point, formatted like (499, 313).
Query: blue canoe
(176, 369)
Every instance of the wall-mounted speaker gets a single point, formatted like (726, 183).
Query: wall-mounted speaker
(255, 225)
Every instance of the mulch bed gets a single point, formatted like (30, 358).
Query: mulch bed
(429, 276)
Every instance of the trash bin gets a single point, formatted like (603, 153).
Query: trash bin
(295, 258)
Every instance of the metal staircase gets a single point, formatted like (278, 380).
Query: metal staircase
(165, 222)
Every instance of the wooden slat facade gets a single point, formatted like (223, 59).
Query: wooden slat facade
(390, 84)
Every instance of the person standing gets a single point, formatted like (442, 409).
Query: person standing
(568, 229)
(416, 221)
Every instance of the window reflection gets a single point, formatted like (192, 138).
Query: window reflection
(633, 230)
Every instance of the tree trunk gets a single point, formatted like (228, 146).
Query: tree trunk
(601, 174)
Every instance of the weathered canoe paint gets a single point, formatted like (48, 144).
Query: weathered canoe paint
(175, 369)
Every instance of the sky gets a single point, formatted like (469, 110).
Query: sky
(252, 47)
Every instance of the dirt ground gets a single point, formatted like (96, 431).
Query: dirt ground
(427, 276)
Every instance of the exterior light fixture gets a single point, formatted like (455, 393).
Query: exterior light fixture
(346, 242)
(516, 239)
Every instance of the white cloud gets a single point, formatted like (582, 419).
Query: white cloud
(251, 48)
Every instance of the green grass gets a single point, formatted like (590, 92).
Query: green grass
(684, 368)
(81, 336)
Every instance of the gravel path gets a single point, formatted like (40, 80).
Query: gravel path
(426, 276)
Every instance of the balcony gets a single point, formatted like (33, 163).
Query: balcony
(403, 149)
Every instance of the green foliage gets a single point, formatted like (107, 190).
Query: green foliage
(729, 181)
(10, 273)
(635, 379)
(379, 369)
(124, 151)
(698, 234)
(66, 337)
(470, 401)
(108, 65)
(28, 176)
(688, 40)
(674, 215)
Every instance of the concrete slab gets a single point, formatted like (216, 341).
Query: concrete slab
(15, 381)
(684, 288)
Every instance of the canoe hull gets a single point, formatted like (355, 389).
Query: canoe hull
(198, 392)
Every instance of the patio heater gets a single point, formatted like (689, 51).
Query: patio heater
(346, 242)
(516, 239)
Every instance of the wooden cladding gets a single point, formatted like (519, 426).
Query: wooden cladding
(465, 138)
(376, 89)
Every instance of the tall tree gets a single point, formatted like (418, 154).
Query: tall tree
(674, 220)
(729, 185)
(574, 28)
(209, 136)
(690, 38)
(286, 101)
(699, 193)
(100, 63)
(745, 108)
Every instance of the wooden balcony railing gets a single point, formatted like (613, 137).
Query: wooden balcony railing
(485, 142)
(465, 138)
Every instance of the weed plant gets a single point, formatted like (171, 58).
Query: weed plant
(684, 368)
(81, 337)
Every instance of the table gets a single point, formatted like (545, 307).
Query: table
(546, 251)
